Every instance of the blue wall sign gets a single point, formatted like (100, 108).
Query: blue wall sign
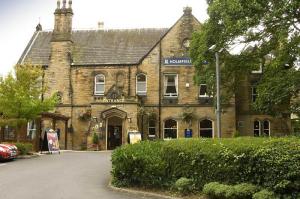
(177, 61)
(188, 133)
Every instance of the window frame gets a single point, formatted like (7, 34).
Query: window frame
(99, 83)
(269, 129)
(206, 94)
(29, 130)
(141, 93)
(170, 129)
(254, 94)
(171, 95)
(212, 128)
(255, 129)
(151, 127)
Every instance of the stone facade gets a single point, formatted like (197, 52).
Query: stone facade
(120, 109)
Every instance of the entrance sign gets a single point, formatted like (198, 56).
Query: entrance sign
(50, 141)
(177, 61)
(134, 137)
(53, 144)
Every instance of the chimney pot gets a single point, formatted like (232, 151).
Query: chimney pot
(187, 10)
(100, 25)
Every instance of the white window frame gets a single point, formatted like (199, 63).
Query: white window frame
(171, 129)
(99, 83)
(29, 129)
(173, 95)
(259, 127)
(252, 93)
(142, 93)
(263, 127)
(212, 128)
(206, 94)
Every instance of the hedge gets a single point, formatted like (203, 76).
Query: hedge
(24, 148)
(270, 163)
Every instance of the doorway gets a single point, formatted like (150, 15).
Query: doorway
(114, 132)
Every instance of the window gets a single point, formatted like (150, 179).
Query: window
(170, 129)
(59, 96)
(256, 128)
(31, 130)
(258, 70)
(9, 133)
(266, 128)
(99, 84)
(141, 84)
(206, 128)
(203, 90)
(171, 85)
(254, 93)
(151, 128)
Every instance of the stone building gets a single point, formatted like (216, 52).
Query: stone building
(111, 82)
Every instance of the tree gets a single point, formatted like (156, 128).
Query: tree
(268, 35)
(21, 96)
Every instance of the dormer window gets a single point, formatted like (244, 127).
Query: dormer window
(99, 84)
(141, 84)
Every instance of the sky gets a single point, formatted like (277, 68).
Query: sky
(18, 19)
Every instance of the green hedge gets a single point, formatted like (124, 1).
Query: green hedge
(24, 148)
(268, 163)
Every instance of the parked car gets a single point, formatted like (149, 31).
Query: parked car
(8, 151)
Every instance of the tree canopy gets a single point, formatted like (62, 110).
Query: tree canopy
(267, 34)
(21, 95)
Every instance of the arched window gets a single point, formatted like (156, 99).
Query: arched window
(99, 84)
(141, 84)
(256, 128)
(206, 128)
(266, 128)
(170, 129)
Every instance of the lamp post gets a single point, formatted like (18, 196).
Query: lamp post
(218, 83)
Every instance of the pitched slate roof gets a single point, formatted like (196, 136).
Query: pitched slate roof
(94, 47)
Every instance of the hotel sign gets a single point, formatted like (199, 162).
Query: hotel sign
(177, 61)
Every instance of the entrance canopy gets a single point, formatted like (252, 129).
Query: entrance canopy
(114, 112)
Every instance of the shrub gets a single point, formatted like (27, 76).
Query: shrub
(264, 194)
(271, 163)
(184, 185)
(24, 148)
(216, 190)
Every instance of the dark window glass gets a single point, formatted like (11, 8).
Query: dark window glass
(9, 133)
(254, 94)
(266, 129)
(203, 90)
(256, 128)
(206, 129)
(151, 128)
(170, 130)
(171, 85)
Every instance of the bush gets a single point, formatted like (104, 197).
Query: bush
(184, 185)
(264, 194)
(24, 148)
(271, 163)
(221, 191)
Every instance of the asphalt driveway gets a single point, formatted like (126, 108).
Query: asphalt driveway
(70, 175)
